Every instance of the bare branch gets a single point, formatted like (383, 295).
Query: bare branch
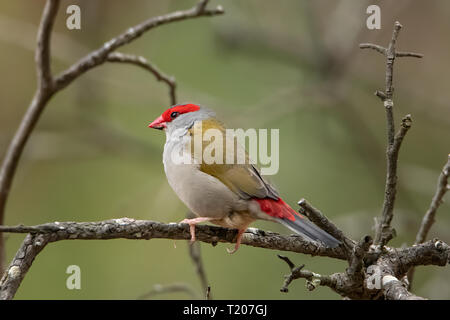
(394, 290)
(170, 288)
(391, 265)
(433, 252)
(42, 95)
(196, 257)
(313, 279)
(208, 293)
(408, 54)
(375, 47)
(202, 5)
(428, 219)
(195, 254)
(356, 264)
(12, 278)
(100, 55)
(126, 228)
(143, 63)
(43, 56)
(384, 231)
(338, 282)
(396, 261)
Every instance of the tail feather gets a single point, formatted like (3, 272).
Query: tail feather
(287, 216)
(309, 230)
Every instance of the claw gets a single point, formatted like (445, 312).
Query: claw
(238, 241)
(231, 251)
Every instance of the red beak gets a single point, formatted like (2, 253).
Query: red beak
(159, 123)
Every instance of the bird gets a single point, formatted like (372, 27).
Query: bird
(231, 195)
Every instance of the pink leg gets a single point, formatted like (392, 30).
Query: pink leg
(238, 241)
(193, 222)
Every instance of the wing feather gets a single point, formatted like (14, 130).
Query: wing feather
(243, 179)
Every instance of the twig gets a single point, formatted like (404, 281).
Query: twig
(384, 231)
(196, 257)
(429, 217)
(313, 279)
(195, 254)
(48, 86)
(208, 293)
(202, 5)
(45, 78)
(143, 63)
(356, 264)
(100, 55)
(442, 188)
(170, 288)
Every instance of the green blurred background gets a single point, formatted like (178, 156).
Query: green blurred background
(293, 65)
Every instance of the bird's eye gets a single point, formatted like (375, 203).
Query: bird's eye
(174, 114)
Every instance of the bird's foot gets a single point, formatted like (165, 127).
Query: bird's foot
(192, 223)
(238, 242)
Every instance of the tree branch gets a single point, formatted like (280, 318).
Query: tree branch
(340, 282)
(42, 95)
(384, 231)
(195, 253)
(356, 264)
(429, 218)
(170, 288)
(313, 279)
(395, 290)
(126, 228)
(143, 63)
(42, 55)
(12, 278)
(100, 55)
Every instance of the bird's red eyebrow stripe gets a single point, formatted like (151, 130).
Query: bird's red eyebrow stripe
(185, 108)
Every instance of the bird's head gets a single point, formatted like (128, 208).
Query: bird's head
(181, 116)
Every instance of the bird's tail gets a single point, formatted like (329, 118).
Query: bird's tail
(287, 216)
(309, 230)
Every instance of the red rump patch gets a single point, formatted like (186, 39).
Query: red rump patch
(185, 108)
(277, 209)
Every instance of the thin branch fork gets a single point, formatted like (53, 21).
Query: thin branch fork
(313, 279)
(384, 231)
(348, 284)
